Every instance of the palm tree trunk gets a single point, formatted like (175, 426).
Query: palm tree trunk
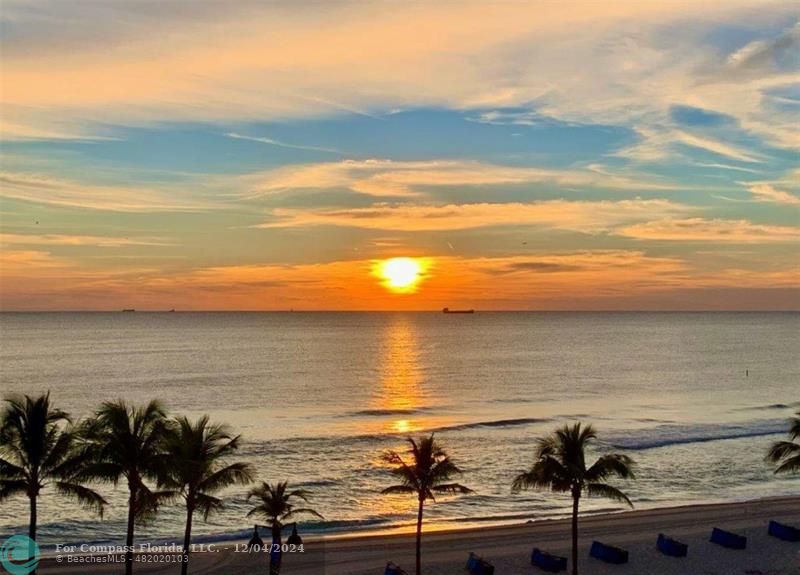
(187, 540)
(129, 534)
(32, 528)
(419, 537)
(275, 551)
(576, 497)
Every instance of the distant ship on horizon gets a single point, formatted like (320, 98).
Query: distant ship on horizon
(448, 310)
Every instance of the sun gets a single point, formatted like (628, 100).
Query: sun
(400, 274)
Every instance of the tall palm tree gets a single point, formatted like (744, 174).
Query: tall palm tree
(196, 472)
(428, 471)
(37, 449)
(560, 465)
(786, 454)
(128, 443)
(276, 507)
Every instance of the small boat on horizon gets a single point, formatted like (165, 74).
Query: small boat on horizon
(128, 310)
(448, 310)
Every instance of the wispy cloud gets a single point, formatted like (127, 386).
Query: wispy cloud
(77, 240)
(713, 230)
(716, 146)
(387, 178)
(768, 193)
(271, 142)
(559, 214)
(43, 189)
(727, 167)
(664, 143)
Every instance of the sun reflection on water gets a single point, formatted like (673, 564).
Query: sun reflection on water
(400, 387)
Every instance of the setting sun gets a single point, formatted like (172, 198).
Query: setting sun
(400, 274)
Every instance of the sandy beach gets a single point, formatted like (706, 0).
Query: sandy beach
(509, 548)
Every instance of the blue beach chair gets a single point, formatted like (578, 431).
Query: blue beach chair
(479, 566)
(392, 569)
(608, 553)
(784, 532)
(671, 547)
(728, 539)
(548, 562)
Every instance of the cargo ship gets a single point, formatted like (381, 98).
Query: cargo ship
(448, 310)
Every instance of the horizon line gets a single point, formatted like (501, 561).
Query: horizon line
(423, 310)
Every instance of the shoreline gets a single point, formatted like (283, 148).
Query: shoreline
(431, 526)
(509, 546)
(225, 540)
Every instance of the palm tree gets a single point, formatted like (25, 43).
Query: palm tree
(560, 465)
(128, 442)
(37, 449)
(426, 472)
(276, 507)
(786, 454)
(195, 452)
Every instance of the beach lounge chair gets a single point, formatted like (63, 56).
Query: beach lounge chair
(256, 543)
(478, 566)
(728, 539)
(671, 547)
(392, 569)
(782, 531)
(608, 553)
(548, 562)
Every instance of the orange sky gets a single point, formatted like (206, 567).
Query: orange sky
(263, 155)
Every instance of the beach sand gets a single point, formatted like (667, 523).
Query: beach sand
(509, 547)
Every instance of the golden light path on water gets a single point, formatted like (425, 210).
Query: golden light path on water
(401, 378)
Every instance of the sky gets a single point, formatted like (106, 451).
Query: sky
(214, 155)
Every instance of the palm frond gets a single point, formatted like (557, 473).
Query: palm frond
(105, 472)
(781, 450)
(451, 488)
(148, 503)
(547, 473)
(299, 494)
(607, 491)
(394, 489)
(258, 510)
(233, 474)
(614, 464)
(794, 428)
(207, 504)
(291, 515)
(10, 471)
(11, 487)
(85, 496)
(789, 465)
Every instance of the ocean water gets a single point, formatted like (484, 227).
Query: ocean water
(695, 398)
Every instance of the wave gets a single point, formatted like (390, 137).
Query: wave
(493, 423)
(666, 435)
(770, 407)
(381, 412)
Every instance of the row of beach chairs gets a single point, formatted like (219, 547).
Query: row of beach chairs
(666, 545)
(610, 554)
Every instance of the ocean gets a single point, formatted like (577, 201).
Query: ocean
(695, 398)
